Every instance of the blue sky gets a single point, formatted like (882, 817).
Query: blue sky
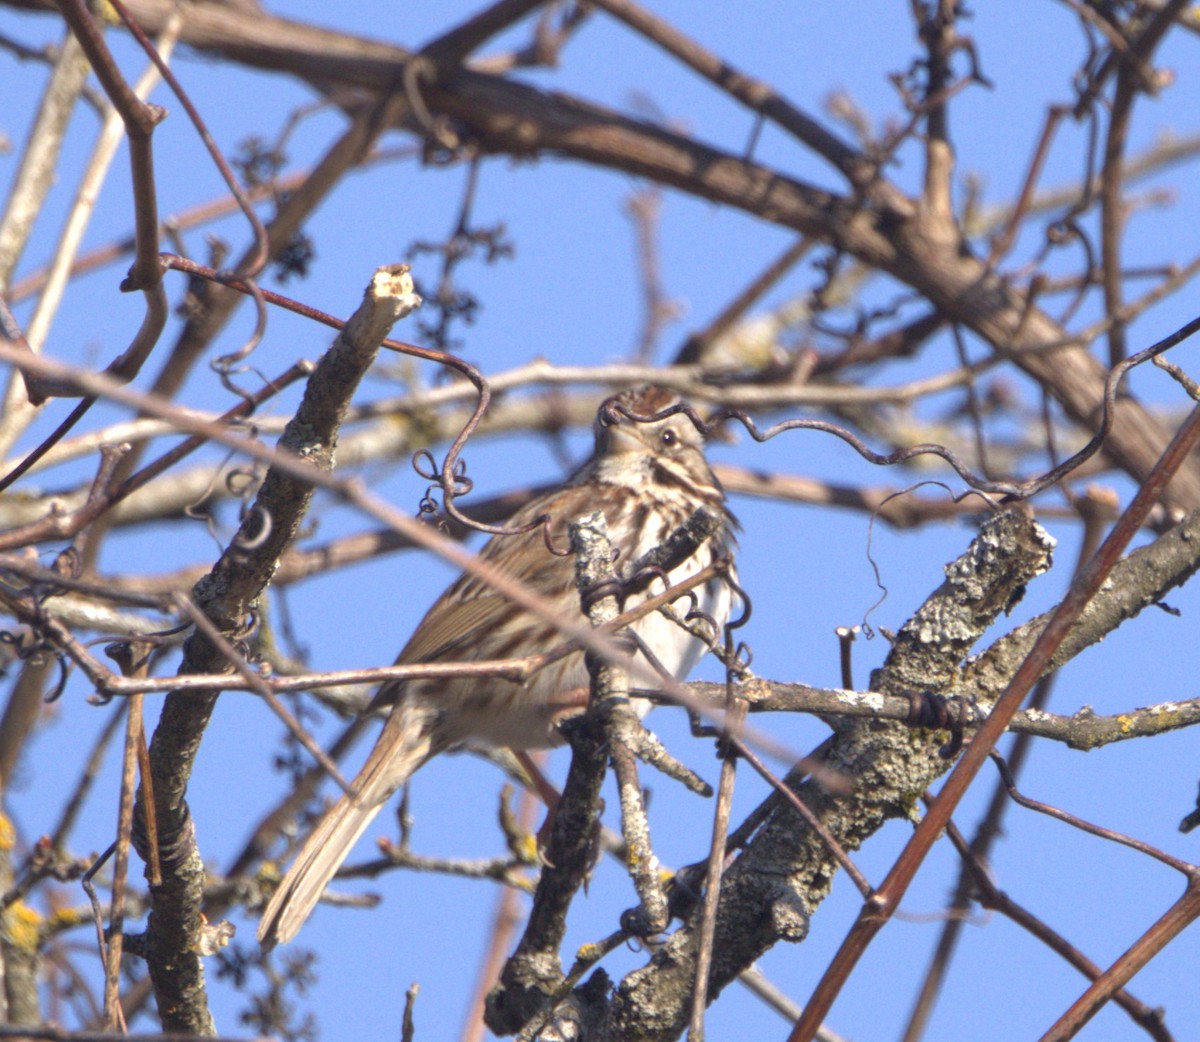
(571, 294)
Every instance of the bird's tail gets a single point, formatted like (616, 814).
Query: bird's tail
(404, 745)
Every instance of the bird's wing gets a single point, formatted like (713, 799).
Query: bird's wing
(451, 626)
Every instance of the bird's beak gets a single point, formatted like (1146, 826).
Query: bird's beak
(623, 438)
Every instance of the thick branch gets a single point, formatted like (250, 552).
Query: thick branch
(228, 595)
(772, 890)
(1140, 580)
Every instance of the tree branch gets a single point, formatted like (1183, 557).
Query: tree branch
(228, 595)
(771, 891)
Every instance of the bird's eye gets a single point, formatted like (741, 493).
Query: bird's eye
(669, 438)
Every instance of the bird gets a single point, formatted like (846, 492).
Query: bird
(648, 475)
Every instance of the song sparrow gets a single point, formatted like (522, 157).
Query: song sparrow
(648, 478)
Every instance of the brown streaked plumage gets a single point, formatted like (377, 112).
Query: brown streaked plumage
(648, 478)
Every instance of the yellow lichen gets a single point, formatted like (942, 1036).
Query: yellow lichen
(66, 917)
(588, 953)
(23, 926)
(526, 848)
(107, 14)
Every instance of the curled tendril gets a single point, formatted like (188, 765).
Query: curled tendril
(426, 467)
(156, 638)
(710, 625)
(636, 923)
(227, 376)
(459, 484)
(26, 644)
(1009, 490)
(743, 596)
(244, 541)
(427, 507)
(736, 658)
(645, 575)
(597, 591)
(463, 485)
(64, 672)
(452, 481)
(613, 410)
(234, 482)
(423, 463)
(450, 477)
(227, 365)
(867, 628)
(548, 537)
(928, 709)
(694, 612)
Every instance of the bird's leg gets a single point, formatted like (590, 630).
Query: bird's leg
(542, 785)
(567, 704)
